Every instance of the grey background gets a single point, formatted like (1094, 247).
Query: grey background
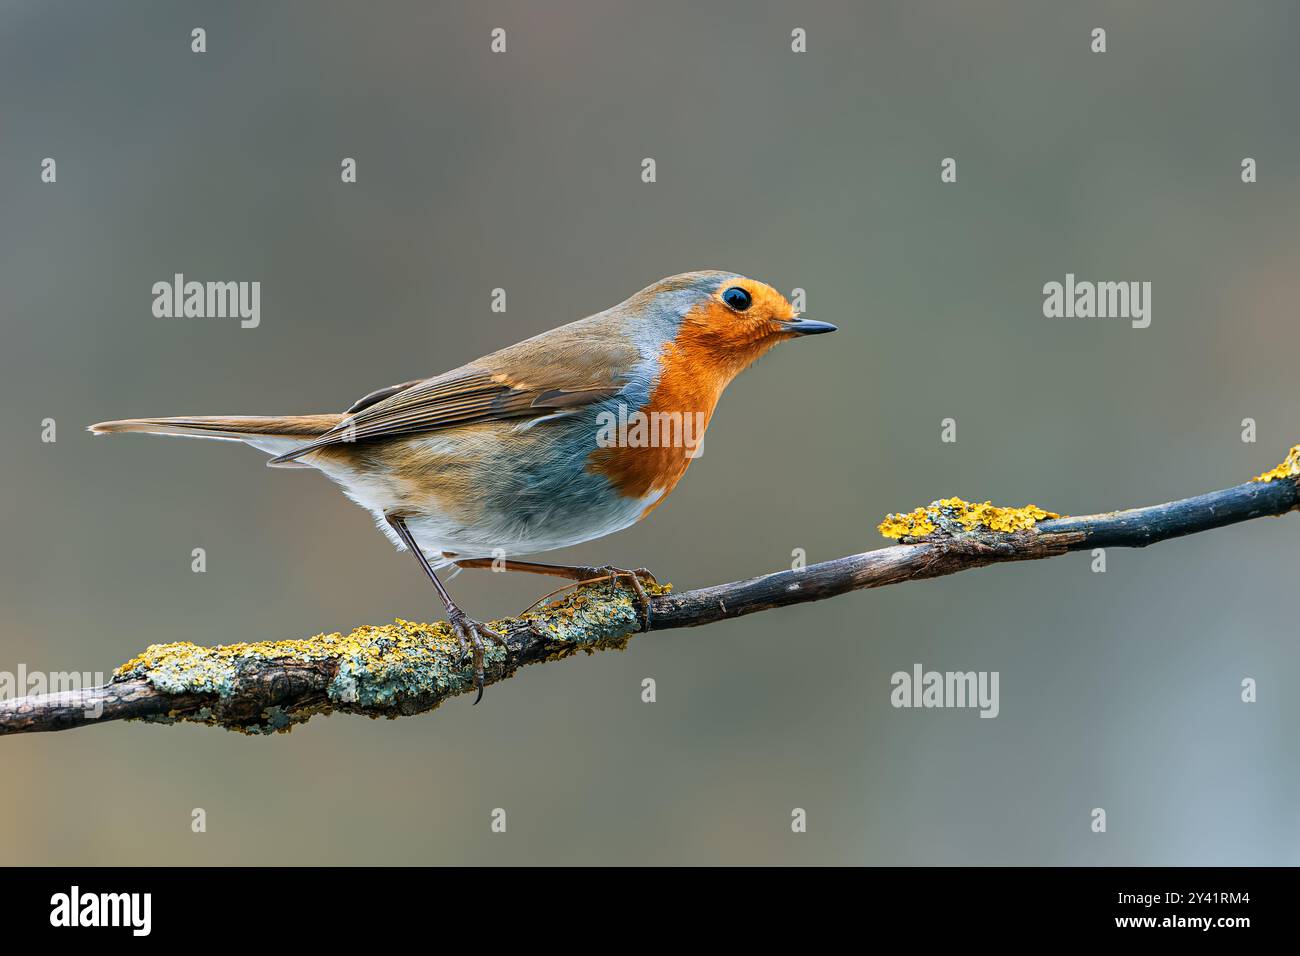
(819, 170)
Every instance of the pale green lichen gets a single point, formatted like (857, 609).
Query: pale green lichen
(956, 514)
(403, 667)
(1290, 467)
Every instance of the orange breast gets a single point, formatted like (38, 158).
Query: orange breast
(694, 371)
(678, 411)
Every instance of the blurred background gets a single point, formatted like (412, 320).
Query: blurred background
(521, 170)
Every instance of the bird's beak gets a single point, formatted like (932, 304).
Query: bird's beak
(806, 327)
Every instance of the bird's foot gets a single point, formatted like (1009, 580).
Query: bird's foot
(641, 600)
(470, 633)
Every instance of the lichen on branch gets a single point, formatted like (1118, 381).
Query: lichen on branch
(954, 515)
(388, 670)
(1290, 467)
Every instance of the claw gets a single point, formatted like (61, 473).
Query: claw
(470, 635)
(459, 631)
(642, 601)
(645, 573)
(478, 666)
(478, 661)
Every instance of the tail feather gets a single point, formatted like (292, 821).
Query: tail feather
(225, 426)
(271, 434)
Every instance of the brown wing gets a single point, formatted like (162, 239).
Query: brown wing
(467, 396)
(379, 394)
(550, 374)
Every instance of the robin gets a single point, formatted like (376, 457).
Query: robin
(567, 436)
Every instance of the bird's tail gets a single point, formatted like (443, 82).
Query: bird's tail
(271, 434)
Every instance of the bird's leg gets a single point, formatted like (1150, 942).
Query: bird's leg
(577, 573)
(466, 629)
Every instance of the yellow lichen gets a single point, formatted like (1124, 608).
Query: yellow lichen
(913, 525)
(956, 514)
(1290, 468)
(206, 667)
(398, 668)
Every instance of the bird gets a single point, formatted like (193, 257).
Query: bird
(565, 437)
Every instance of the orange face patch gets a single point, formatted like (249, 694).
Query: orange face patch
(723, 340)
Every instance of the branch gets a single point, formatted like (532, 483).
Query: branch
(406, 668)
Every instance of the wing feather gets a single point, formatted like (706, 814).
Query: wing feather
(379, 394)
(467, 396)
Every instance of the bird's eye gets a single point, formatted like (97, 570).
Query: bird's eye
(737, 298)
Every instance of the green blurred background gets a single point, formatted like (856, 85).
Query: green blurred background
(817, 170)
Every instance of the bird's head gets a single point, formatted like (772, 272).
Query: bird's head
(696, 332)
(723, 321)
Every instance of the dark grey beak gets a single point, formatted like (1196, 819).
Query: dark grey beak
(808, 327)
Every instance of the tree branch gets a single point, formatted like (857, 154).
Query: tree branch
(406, 668)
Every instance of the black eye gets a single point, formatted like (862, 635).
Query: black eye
(737, 298)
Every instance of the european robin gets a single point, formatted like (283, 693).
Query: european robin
(567, 436)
